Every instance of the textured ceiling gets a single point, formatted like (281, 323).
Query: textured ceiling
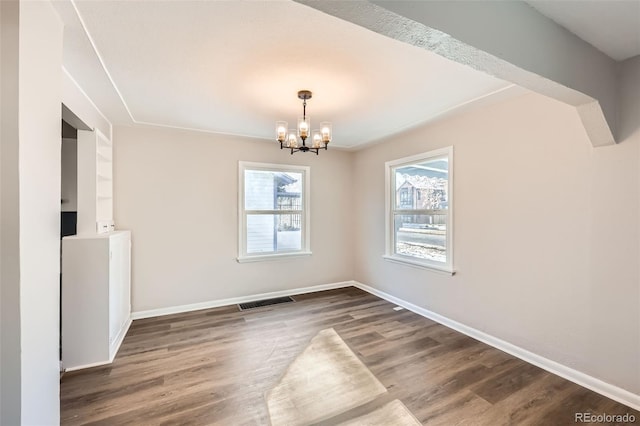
(611, 26)
(235, 68)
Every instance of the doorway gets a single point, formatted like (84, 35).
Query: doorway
(68, 190)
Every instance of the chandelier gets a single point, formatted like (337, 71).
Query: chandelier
(288, 138)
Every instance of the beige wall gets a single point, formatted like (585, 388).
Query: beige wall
(74, 98)
(10, 218)
(177, 192)
(40, 61)
(69, 185)
(629, 128)
(546, 235)
(31, 116)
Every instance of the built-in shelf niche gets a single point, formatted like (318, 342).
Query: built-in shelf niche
(95, 182)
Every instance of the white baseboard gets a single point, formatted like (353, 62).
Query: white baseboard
(115, 346)
(82, 367)
(610, 391)
(235, 300)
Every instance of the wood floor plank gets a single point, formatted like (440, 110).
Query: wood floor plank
(214, 366)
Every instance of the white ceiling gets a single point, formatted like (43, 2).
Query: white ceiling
(236, 68)
(611, 26)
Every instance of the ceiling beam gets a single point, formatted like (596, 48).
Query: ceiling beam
(506, 39)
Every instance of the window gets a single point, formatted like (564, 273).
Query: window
(273, 211)
(419, 209)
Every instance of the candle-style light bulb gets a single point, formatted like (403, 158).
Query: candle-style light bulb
(292, 140)
(281, 131)
(325, 129)
(316, 139)
(303, 127)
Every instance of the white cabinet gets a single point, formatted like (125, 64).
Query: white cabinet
(96, 297)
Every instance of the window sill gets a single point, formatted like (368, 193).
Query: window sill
(267, 257)
(417, 264)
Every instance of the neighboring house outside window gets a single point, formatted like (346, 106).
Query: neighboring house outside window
(273, 211)
(419, 211)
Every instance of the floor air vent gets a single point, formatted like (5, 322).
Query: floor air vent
(265, 302)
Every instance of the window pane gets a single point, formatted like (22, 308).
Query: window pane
(421, 236)
(269, 233)
(423, 186)
(267, 190)
(289, 232)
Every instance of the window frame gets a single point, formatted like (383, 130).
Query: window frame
(391, 211)
(305, 213)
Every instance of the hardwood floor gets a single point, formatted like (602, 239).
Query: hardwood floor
(214, 367)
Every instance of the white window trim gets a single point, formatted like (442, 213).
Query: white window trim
(243, 256)
(390, 254)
